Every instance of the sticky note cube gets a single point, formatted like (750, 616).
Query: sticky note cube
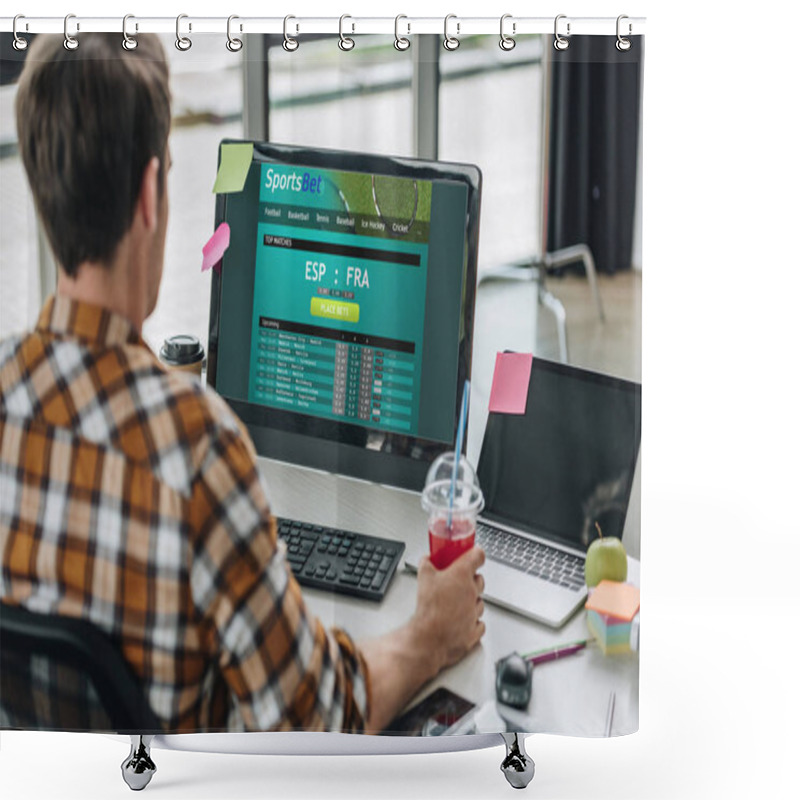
(612, 634)
(611, 607)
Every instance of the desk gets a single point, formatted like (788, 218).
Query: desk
(569, 697)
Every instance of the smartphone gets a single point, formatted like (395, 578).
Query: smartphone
(440, 713)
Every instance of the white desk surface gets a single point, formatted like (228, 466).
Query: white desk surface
(570, 696)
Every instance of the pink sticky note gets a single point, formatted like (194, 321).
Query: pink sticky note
(512, 374)
(216, 246)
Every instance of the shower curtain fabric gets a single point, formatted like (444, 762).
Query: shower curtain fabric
(486, 111)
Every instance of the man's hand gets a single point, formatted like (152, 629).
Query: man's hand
(449, 607)
(445, 627)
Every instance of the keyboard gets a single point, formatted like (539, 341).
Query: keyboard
(340, 561)
(535, 558)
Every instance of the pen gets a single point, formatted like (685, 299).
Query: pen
(542, 657)
(610, 713)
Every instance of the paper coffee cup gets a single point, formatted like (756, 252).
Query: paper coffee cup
(183, 353)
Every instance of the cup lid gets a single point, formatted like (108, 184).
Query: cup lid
(182, 349)
(467, 496)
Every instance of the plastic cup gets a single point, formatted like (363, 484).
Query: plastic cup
(451, 529)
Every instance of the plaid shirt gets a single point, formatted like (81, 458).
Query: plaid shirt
(130, 496)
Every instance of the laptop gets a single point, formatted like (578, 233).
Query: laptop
(549, 477)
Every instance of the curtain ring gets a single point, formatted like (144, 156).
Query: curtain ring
(400, 42)
(183, 43)
(70, 42)
(507, 42)
(451, 42)
(128, 42)
(559, 42)
(346, 43)
(622, 44)
(234, 45)
(289, 44)
(19, 42)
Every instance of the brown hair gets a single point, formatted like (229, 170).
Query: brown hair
(88, 122)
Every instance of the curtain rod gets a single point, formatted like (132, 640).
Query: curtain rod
(296, 25)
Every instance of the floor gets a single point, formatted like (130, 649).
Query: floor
(615, 346)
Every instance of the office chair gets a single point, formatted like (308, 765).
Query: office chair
(537, 268)
(65, 674)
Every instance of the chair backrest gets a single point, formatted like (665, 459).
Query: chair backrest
(64, 674)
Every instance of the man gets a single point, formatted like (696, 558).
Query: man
(129, 496)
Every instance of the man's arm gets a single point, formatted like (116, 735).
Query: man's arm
(446, 625)
(275, 656)
(284, 669)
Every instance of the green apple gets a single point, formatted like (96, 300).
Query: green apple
(605, 560)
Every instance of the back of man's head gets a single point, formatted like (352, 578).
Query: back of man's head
(88, 122)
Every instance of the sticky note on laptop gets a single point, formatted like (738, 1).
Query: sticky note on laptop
(512, 375)
(234, 164)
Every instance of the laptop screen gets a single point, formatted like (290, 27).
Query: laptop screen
(568, 461)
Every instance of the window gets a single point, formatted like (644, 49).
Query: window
(490, 114)
(19, 252)
(206, 83)
(356, 100)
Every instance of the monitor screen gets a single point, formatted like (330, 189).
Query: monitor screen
(569, 460)
(341, 316)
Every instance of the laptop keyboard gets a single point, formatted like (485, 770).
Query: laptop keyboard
(534, 558)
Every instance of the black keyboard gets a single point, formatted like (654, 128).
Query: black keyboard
(340, 561)
(535, 558)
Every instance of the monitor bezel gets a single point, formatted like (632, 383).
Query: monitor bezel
(333, 446)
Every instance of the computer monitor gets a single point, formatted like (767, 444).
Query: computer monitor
(342, 315)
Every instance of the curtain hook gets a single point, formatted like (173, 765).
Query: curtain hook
(234, 45)
(289, 44)
(507, 42)
(400, 42)
(345, 42)
(19, 43)
(560, 43)
(128, 42)
(451, 42)
(622, 44)
(183, 43)
(70, 42)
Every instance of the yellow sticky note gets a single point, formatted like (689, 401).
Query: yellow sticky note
(234, 164)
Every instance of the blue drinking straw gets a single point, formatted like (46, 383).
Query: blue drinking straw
(462, 421)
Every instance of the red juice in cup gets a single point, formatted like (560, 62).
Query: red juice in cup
(448, 543)
(452, 507)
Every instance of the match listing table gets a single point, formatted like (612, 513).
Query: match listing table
(323, 372)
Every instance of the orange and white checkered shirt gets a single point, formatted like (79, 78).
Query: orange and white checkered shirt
(130, 497)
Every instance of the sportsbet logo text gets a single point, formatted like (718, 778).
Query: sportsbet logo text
(292, 181)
